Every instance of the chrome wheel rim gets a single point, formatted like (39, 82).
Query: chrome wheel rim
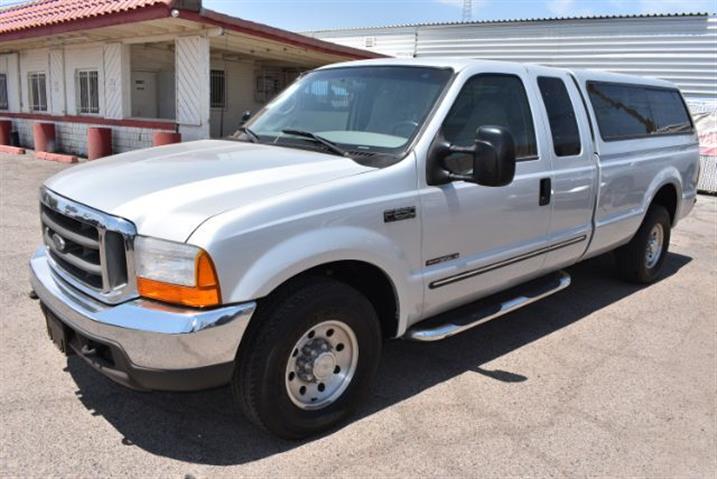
(654, 246)
(321, 365)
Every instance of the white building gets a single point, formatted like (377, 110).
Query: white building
(681, 48)
(139, 66)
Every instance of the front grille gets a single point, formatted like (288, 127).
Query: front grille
(89, 249)
(73, 245)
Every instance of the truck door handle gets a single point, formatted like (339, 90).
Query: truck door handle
(545, 190)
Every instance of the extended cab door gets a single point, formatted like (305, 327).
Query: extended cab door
(574, 164)
(479, 239)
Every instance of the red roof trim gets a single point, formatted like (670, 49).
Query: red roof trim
(153, 12)
(276, 34)
(93, 120)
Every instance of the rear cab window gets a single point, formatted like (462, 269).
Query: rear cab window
(626, 111)
(561, 116)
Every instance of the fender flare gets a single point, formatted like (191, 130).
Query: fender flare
(668, 176)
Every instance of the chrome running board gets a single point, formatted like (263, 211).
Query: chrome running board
(453, 322)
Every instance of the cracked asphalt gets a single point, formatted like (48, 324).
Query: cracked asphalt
(602, 379)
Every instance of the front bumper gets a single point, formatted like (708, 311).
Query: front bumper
(144, 344)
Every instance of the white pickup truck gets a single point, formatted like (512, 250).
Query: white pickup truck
(364, 201)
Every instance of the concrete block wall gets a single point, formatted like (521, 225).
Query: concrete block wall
(127, 139)
(24, 131)
(72, 137)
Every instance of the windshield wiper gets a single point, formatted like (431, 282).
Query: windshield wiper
(253, 137)
(318, 139)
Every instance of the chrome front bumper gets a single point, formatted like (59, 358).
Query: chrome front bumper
(154, 337)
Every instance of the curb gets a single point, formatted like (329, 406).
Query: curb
(58, 157)
(12, 150)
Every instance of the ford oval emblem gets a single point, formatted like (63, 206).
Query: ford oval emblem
(59, 242)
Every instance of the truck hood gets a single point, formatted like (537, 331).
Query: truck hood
(169, 191)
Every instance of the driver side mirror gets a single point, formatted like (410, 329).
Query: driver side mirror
(493, 154)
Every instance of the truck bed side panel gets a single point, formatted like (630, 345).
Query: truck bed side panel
(631, 175)
(632, 171)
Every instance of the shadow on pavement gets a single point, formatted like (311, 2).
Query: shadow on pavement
(205, 427)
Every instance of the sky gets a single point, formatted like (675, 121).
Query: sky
(304, 15)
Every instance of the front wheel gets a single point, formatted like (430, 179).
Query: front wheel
(310, 358)
(641, 260)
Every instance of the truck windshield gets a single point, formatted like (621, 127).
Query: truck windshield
(358, 109)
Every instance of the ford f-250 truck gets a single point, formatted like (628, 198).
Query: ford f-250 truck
(362, 203)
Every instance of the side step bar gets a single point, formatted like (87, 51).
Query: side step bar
(453, 322)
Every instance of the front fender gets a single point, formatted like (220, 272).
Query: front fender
(312, 248)
(261, 245)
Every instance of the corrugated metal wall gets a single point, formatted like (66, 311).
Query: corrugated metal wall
(393, 41)
(681, 49)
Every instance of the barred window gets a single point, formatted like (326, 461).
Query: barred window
(37, 90)
(88, 96)
(217, 89)
(3, 91)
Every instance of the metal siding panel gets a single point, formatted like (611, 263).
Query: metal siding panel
(682, 50)
(397, 43)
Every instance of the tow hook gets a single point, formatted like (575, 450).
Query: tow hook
(87, 351)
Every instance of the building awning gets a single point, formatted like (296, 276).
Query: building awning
(63, 18)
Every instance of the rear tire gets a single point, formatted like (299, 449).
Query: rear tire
(309, 359)
(641, 260)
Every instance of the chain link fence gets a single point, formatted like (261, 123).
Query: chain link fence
(705, 116)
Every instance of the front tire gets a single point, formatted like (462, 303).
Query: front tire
(641, 260)
(309, 359)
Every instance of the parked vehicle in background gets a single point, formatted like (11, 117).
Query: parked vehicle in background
(364, 203)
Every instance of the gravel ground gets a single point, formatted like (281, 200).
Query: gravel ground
(602, 379)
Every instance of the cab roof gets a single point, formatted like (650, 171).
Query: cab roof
(459, 64)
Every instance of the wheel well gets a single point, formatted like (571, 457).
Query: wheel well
(369, 280)
(667, 197)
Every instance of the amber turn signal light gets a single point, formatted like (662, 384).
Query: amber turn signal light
(205, 292)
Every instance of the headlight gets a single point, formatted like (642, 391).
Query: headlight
(175, 273)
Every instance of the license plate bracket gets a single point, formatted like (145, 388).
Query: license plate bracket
(58, 333)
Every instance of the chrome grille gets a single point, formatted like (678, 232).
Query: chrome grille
(89, 249)
(74, 245)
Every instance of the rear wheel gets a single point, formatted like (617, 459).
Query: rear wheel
(310, 358)
(641, 260)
